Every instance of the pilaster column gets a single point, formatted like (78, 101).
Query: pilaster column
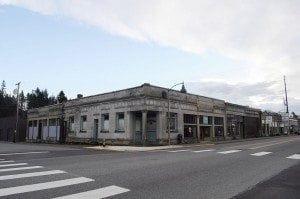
(144, 126)
(198, 128)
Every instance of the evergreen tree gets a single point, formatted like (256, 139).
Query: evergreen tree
(61, 97)
(3, 87)
(22, 100)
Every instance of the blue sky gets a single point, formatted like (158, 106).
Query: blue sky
(217, 49)
(61, 54)
(58, 53)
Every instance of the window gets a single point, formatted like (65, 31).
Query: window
(206, 120)
(45, 123)
(190, 119)
(35, 123)
(105, 123)
(173, 122)
(30, 124)
(120, 122)
(83, 123)
(52, 122)
(71, 123)
(219, 131)
(219, 121)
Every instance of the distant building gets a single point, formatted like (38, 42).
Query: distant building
(272, 124)
(139, 115)
(8, 126)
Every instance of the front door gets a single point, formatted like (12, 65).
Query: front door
(151, 126)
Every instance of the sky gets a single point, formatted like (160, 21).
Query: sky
(234, 50)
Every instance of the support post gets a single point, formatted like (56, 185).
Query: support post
(144, 126)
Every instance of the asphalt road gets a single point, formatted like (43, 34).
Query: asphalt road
(250, 169)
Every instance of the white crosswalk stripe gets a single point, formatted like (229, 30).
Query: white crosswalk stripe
(12, 165)
(43, 186)
(261, 153)
(1, 159)
(33, 174)
(228, 152)
(202, 151)
(98, 193)
(9, 161)
(295, 157)
(24, 153)
(177, 151)
(21, 168)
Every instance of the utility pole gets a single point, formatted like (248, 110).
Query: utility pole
(17, 116)
(286, 98)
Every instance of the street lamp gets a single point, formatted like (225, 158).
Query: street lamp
(169, 109)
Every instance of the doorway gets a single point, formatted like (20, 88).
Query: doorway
(96, 124)
(205, 132)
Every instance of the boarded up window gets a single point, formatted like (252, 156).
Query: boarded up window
(83, 123)
(105, 122)
(120, 122)
(71, 123)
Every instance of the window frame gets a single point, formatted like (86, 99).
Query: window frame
(82, 123)
(103, 116)
(118, 129)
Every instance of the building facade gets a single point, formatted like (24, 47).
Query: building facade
(138, 116)
(272, 124)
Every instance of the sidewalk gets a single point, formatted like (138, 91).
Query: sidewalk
(134, 148)
(155, 148)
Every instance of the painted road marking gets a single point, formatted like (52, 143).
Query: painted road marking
(261, 153)
(25, 153)
(178, 151)
(202, 151)
(12, 165)
(10, 161)
(228, 152)
(97, 193)
(43, 186)
(295, 157)
(34, 174)
(1, 159)
(21, 168)
(276, 143)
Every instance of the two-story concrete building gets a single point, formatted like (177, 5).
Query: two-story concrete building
(137, 115)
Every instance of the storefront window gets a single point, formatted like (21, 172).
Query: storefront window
(205, 120)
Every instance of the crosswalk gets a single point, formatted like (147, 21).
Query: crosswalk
(33, 171)
(228, 152)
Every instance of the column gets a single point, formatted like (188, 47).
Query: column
(212, 135)
(198, 128)
(144, 127)
(225, 127)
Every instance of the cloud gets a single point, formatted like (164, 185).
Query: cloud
(264, 34)
(259, 95)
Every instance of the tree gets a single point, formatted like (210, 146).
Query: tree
(183, 89)
(37, 98)
(3, 87)
(61, 97)
(22, 100)
(52, 100)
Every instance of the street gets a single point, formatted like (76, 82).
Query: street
(250, 169)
